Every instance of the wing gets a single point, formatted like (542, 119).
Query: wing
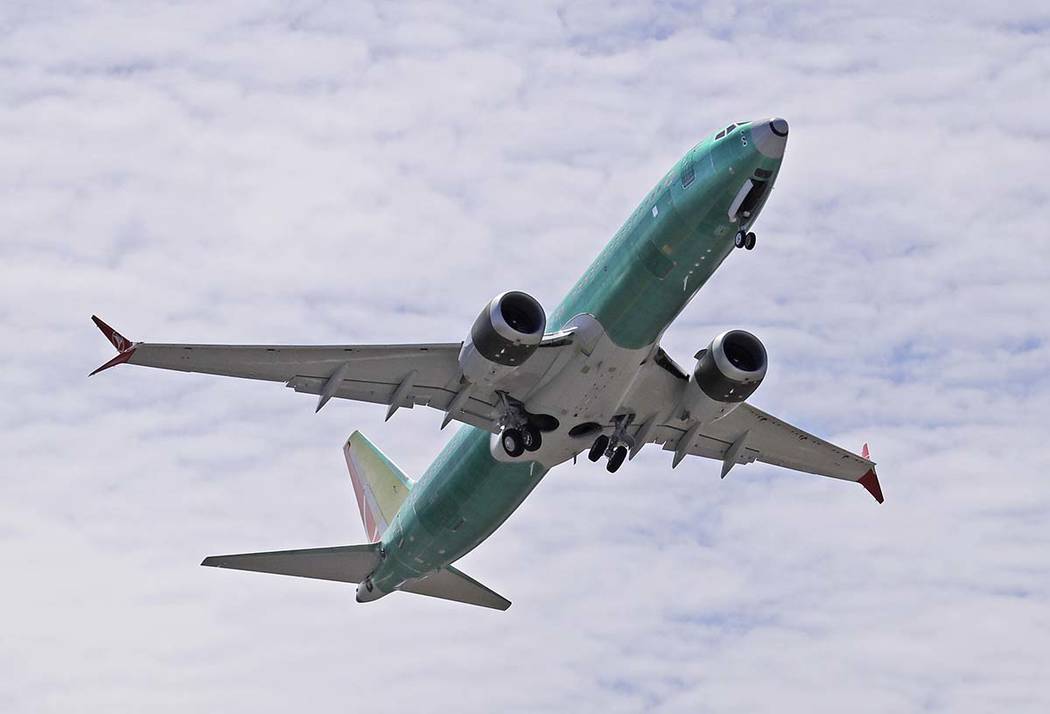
(743, 436)
(395, 375)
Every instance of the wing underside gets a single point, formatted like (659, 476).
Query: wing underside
(748, 434)
(404, 375)
(407, 375)
(743, 436)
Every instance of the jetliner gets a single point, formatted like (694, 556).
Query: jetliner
(535, 391)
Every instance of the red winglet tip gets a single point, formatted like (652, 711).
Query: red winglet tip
(871, 483)
(119, 359)
(864, 451)
(119, 341)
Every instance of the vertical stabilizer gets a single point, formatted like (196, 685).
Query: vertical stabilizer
(380, 486)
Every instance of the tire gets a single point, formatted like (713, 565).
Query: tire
(749, 241)
(530, 438)
(512, 443)
(598, 448)
(739, 239)
(616, 460)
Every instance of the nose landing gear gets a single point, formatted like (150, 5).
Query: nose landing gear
(746, 240)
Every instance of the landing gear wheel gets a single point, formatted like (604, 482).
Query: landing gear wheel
(598, 448)
(513, 442)
(739, 239)
(530, 438)
(616, 460)
(749, 241)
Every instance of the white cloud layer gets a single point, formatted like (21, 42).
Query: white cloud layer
(309, 172)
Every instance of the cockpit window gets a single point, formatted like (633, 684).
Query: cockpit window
(725, 131)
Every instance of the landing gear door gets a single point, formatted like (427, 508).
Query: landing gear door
(748, 200)
(734, 207)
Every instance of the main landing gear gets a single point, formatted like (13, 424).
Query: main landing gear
(521, 431)
(744, 239)
(615, 447)
(516, 441)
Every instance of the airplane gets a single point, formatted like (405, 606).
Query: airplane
(534, 391)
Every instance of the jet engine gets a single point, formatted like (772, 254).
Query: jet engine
(507, 332)
(727, 372)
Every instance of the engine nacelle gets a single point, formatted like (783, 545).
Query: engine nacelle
(727, 372)
(507, 332)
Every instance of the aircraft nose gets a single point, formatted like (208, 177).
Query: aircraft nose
(770, 136)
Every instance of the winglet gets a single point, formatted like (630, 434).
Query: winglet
(125, 347)
(871, 482)
(122, 343)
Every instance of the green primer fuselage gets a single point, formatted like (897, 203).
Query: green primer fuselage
(668, 248)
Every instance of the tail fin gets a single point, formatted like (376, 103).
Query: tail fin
(346, 563)
(380, 486)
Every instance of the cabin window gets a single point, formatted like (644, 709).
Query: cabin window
(688, 174)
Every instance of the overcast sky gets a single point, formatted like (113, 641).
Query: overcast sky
(347, 172)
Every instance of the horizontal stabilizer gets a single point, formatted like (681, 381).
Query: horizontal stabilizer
(452, 584)
(345, 563)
